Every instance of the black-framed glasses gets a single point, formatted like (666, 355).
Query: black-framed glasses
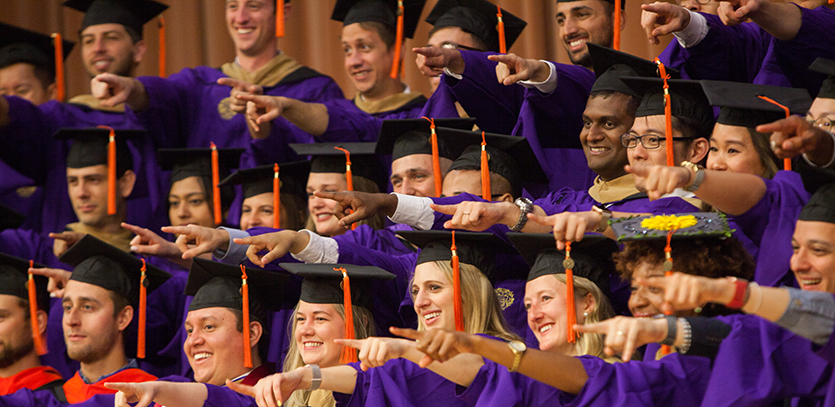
(649, 141)
(822, 122)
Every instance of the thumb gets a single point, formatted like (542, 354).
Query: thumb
(241, 388)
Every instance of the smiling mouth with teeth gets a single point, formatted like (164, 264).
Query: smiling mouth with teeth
(432, 315)
(545, 328)
(313, 344)
(201, 356)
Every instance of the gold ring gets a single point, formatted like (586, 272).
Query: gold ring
(620, 333)
(465, 213)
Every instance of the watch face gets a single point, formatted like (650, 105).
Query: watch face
(518, 346)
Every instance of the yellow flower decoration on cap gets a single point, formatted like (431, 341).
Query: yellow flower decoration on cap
(669, 222)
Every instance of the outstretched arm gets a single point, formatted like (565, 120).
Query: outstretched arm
(161, 392)
(113, 90)
(780, 19)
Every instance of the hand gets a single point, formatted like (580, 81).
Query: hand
(355, 206)
(112, 89)
(569, 226)
(376, 351)
(63, 241)
(57, 280)
(512, 68)
(686, 292)
(141, 393)
(625, 334)
(661, 179)
(736, 12)
(431, 61)
(205, 240)
(239, 88)
(438, 344)
(274, 390)
(661, 18)
(277, 243)
(478, 216)
(793, 136)
(261, 109)
(149, 243)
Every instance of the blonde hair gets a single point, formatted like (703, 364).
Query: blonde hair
(590, 344)
(361, 184)
(363, 328)
(482, 311)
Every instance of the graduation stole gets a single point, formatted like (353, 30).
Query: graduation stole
(270, 74)
(615, 190)
(95, 104)
(386, 104)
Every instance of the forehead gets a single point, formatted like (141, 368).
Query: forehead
(814, 230)
(355, 32)
(325, 178)
(613, 104)
(309, 308)
(260, 199)
(645, 269)
(567, 7)
(104, 28)
(75, 290)
(724, 133)
(544, 283)
(655, 123)
(217, 313)
(451, 35)
(411, 162)
(462, 181)
(9, 302)
(100, 169)
(429, 271)
(19, 72)
(822, 107)
(186, 186)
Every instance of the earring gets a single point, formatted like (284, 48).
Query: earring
(586, 314)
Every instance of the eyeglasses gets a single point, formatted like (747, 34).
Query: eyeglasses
(452, 45)
(649, 141)
(822, 122)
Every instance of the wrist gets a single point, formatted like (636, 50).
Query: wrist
(456, 62)
(390, 204)
(306, 374)
(299, 242)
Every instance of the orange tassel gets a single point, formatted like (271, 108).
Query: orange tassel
(616, 39)
(668, 266)
(458, 302)
(349, 354)
(111, 171)
(143, 298)
(436, 158)
(40, 345)
(215, 188)
(161, 46)
(59, 67)
(486, 192)
(500, 29)
(398, 42)
(668, 114)
(279, 18)
(245, 306)
(349, 176)
(569, 294)
(276, 198)
(787, 162)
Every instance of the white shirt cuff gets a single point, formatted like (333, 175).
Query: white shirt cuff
(318, 250)
(414, 211)
(236, 253)
(695, 32)
(452, 74)
(548, 85)
(831, 159)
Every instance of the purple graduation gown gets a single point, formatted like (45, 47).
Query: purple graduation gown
(399, 383)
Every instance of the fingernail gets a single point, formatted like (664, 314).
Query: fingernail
(773, 145)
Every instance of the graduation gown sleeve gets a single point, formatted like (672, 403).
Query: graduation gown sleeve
(495, 386)
(383, 240)
(814, 39)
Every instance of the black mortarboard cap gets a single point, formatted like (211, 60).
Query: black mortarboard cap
(481, 250)
(10, 218)
(197, 162)
(108, 267)
(14, 274)
(405, 137)
(259, 180)
(89, 147)
(592, 256)
(741, 105)
(611, 65)
(508, 156)
(322, 283)
(821, 206)
(129, 13)
(18, 45)
(687, 100)
(380, 11)
(825, 66)
(479, 18)
(622, 2)
(215, 284)
(690, 225)
(326, 158)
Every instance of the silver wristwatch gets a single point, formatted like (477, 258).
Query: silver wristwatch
(316, 381)
(525, 207)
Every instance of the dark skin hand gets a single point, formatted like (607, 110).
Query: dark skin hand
(353, 206)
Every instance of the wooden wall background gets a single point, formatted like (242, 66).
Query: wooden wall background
(196, 35)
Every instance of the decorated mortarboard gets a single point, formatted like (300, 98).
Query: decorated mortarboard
(250, 290)
(509, 156)
(19, 45)
(345, 284)
(821, 206)
(206, 163)
(15, 280)
(684, 225)
(98, 263)
(590, 258)
(101, 146)
(611, 65)
(825, 66)
(129, 13)
(10, 218)
(401, 16)
(479, 17)
(747, 105)
(687, 100)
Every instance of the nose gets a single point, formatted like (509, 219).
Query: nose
(799, 262)
(692, 5)
(570, 27)
(305, 328)
(183, 211)
(637, 299)
(535, 314)
(407, 188)
(717, 162)
(353, 59)
(421, 301)
(254, 221)
(81, 190)
(639, 153)
(316, 202)
(71, 317)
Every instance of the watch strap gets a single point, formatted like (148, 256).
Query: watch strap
(671, 330)
(316, 381)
